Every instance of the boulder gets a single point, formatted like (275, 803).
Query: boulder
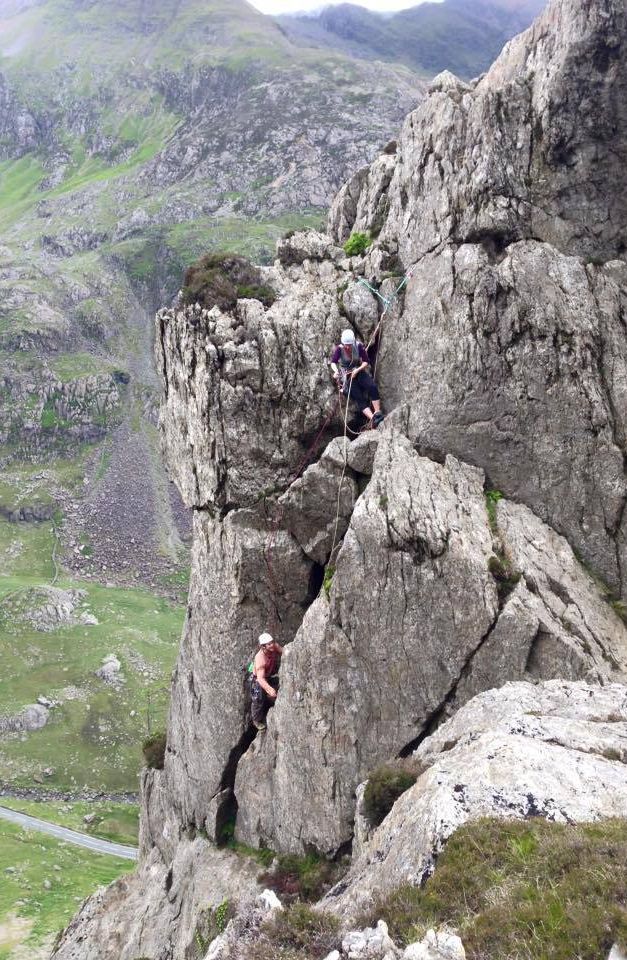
(556, 749)
(110, 670)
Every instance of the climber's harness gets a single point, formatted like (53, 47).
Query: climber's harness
(346, 364)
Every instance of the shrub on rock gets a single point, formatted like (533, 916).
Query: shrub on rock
(385, 785)
(153, 749)
(357, 244)
(220, 279)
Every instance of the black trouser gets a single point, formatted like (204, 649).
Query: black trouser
(260, 701)
(363, 389)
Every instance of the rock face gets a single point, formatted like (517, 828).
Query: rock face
(401, 580)
(412, 628)
(555, 750)
(163, 906)
(507, 205)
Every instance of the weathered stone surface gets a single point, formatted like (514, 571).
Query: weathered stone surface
(510, 352)
(362, 203)
(536, 148)
(30, 718)
(439, 945)
(362, 309)
(410, 602)
(556, 750)
(412, 629)
(303, 245)
(110, 670)
(521, 367)
(555, 623)
(156, 911)
(317, 507)
(247, 576)
(246, 394)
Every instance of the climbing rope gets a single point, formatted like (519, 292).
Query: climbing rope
(339, 489)
(387, 303)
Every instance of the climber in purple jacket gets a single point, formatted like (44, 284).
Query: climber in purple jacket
(349, 363)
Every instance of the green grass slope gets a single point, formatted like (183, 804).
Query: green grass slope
(522, 891)
(43, 882)
(93, 737)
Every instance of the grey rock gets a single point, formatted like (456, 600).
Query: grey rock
(249, 575)
(436, 945)
(362, 309)
(616, 953)
(306, 245)
(372, 943)
(163, 906)
(413, 629)
(317, 507)
(110, 670)
(518, 362)
(31, 718)
(369, 667)
(554, 749)
(272, 389)
(520, 366)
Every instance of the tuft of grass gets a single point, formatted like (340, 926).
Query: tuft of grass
(211, 923)
(329, 570)
(357, 244)
(220, 279)
(153, 749)
(263, 855)
(492, 497)
(385, 785)
(298, 931)
(504, 575)
(534, 890)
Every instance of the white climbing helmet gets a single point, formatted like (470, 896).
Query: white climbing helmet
(348, 337)
(265, 638)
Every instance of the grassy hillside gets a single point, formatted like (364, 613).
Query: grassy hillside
(43, 883)
(93, 736)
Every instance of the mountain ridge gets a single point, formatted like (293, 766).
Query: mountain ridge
(458, 35)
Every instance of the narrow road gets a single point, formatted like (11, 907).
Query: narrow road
(70, 836)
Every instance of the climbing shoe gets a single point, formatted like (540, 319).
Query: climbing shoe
(377, 420)
(260, 726)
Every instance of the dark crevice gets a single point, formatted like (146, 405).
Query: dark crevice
(316, 579)
(226, 814)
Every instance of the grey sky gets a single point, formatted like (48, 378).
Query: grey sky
(292, 6)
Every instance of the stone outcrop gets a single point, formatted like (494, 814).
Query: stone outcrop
(412, 628)
(163, 907)
(555, 750)
(400, 591)
(506, 202)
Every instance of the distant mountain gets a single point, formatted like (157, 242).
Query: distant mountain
(463, 36)
(135, 135)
